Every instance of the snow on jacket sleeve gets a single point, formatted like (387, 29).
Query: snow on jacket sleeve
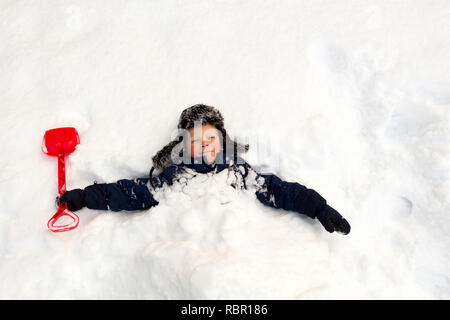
(124, 194)
(292, 196)
(127, 194)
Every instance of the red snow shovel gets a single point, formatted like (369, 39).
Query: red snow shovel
(59, 142)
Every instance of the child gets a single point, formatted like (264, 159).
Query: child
(204, 146)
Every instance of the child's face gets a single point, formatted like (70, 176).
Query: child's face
(205, 141)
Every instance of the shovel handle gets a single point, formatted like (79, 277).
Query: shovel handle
(61, 174)
(63, 211)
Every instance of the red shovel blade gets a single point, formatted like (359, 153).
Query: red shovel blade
(60, 141)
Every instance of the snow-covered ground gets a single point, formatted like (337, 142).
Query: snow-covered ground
(352, 97)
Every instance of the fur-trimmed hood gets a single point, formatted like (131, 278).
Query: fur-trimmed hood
(200, 113)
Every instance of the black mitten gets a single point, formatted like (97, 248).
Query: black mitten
(75, 199)
(332, 220)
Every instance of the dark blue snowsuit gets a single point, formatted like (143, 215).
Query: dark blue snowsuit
(136, 194)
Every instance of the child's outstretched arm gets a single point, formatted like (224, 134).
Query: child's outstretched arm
(293, 196)
(124, 194)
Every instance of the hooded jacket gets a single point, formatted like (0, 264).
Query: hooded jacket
(137, 194)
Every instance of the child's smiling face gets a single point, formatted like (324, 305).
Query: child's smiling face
(205, 141)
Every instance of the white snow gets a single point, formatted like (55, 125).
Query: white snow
(355, 94)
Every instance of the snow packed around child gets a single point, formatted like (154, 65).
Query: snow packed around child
(350, 99)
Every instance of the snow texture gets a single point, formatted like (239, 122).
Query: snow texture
(352, 97)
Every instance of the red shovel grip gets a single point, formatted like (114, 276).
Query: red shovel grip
(63, 211)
